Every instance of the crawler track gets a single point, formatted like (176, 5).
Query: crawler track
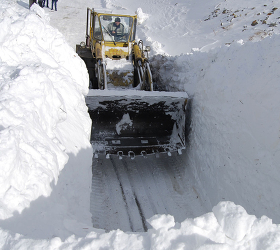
(127, 192)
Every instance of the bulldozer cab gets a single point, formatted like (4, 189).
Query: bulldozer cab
(111, 28)
(113, 31)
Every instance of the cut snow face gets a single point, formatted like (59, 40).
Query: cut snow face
(44, 121)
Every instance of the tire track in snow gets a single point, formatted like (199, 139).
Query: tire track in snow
(163, 185)
(178, 193)
(97, 196)
(141, 199)
(127, 196)
(132, 191)
(107, 205)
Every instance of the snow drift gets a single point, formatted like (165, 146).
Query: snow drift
(234, 93)
(43, 114)
(227, 227)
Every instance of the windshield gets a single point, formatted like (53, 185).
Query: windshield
(115, 28)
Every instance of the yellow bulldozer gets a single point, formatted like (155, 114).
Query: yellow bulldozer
(128, 117)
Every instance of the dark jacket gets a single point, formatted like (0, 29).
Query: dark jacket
(119, 30)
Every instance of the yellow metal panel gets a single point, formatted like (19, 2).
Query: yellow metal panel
(116, 53)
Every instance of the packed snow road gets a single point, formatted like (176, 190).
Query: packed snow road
(126, 192)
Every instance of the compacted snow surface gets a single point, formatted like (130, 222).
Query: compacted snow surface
(224, 54)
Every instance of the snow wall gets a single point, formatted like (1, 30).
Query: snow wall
(236, 99)
(235, 140)
(45, 155)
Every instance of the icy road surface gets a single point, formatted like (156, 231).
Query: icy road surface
(126, 192)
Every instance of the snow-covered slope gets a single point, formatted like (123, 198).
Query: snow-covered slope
(235, 98)
(45, 126)
(45, 155)
(234, 149)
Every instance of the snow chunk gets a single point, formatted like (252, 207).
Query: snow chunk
(124, 123)
(162, 221)
(122, 65)
(234, 220)
(141, 16)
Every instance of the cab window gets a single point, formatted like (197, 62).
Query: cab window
(116, 28)
(97, 32)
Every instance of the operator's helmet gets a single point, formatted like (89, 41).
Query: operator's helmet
(117, 19)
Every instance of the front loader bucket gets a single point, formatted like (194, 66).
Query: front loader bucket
(135, 122)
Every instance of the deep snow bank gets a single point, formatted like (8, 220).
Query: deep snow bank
(43, 119)
(227, 227)
(235, 140)
(237, 156)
